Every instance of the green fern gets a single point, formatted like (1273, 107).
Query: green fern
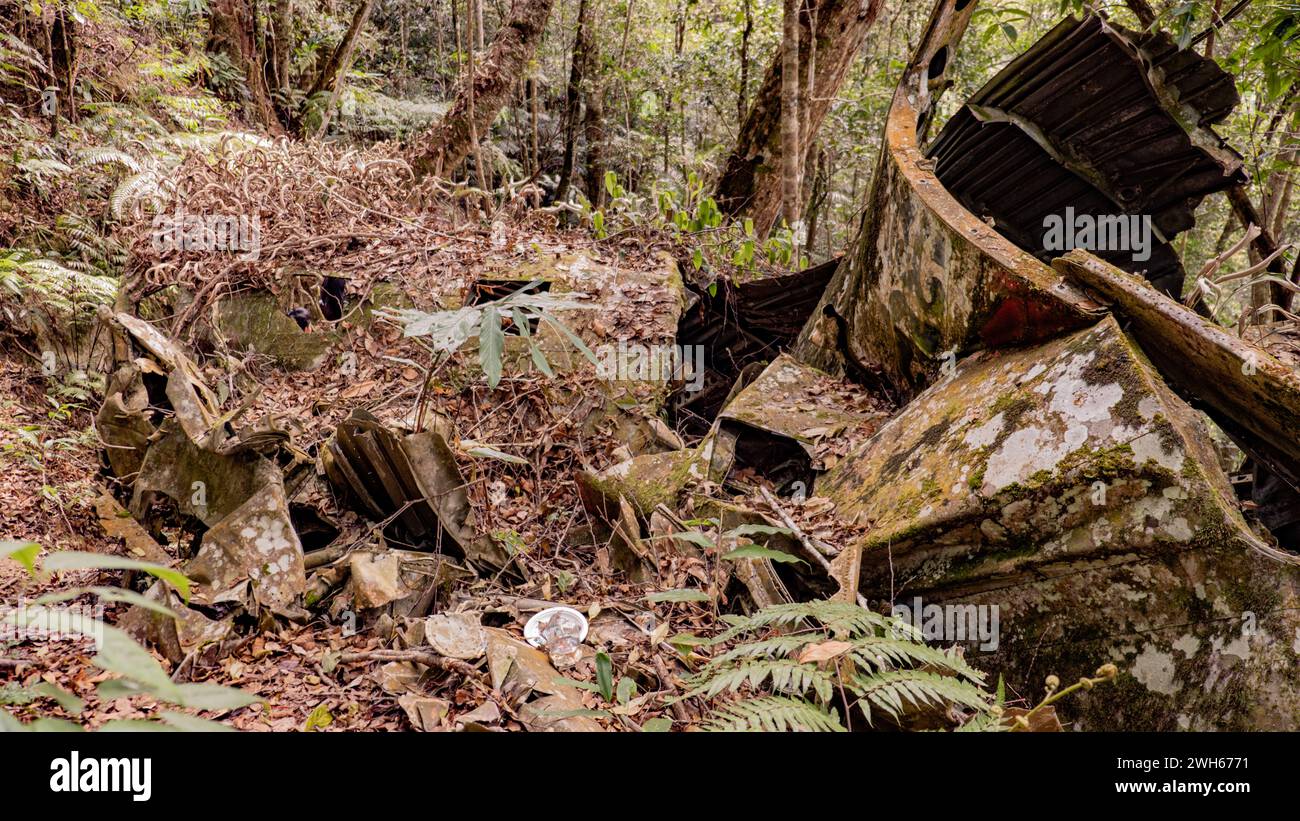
(100, 156)
(894, 691)
(147, 185)
(774, 714)
(795, 666)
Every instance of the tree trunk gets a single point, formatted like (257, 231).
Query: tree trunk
(1263, 247)
(474, 22)
(593, 124)
(742, 99)
(573, 103)
(282, 18)
(341, 58)
(790, 145)
(750, 184)
(231, 34)
(448, 143)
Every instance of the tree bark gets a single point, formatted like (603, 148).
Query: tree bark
(448, 143)
(750, 184)
(742, 99)
(341, 57)
(593, 124)
(1142, 11)
(573, 103)
(331, 76)
(474, 23)
(231, 33)
(790, 145)
(282, 17)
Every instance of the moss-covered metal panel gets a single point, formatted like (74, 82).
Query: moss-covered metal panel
(1069, 486)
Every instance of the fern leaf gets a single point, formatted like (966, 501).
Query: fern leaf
(94, 157)
(893, 691)
(774, 714)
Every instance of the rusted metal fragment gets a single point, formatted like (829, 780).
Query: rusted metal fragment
(255, 544)
(124, 422)
(119, 524)
(179, 635)
(1102, 120)
(793, 401)
(1248, 392)
(742, 325)
(192, 400)
(410, 479)
(206, 485)
(249, 541)
(1068, 486)
(927, 280)
(784, 423)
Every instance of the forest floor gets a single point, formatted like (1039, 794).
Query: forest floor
(521, 447)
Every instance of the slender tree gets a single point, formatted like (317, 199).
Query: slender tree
(790, 144)
(750, 183)
(573, 102)
(231, 33)
(593, 124)
(448, 143)
(330, 78)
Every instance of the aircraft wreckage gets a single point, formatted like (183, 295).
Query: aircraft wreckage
(1053, 461)
(1051, 458)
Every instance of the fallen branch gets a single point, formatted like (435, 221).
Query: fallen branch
(807, 543)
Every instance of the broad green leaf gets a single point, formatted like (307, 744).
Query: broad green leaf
(605, 676)
(753, 551)
(572, 337)
(22, 552)
(750, 530)
(210, 697)
(625, 691)
(66, 700)
(108, 594)
(194, 724)
(692, 536)
(76, 560)
(572, 682)
(657, 725)
(491, 345)
(521, 321)
(684, 641)
(54, 725)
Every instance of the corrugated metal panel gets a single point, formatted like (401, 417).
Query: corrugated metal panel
(1093, 117)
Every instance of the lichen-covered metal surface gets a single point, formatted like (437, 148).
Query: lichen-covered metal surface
(926, 279)
(1253, 396)
(1099, 119)
(800, 403)
(1067, 485)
